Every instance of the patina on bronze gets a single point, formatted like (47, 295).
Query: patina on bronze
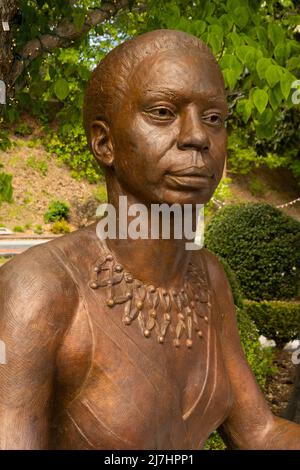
(78, 378)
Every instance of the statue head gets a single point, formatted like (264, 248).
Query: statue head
(154, 116)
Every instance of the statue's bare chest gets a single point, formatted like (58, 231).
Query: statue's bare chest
(118, 390)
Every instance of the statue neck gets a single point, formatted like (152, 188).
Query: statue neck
(159, 261)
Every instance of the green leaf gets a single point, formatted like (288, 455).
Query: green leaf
(61, 89)
(6, 190)
(282, 52)
(172, 16)
(79, 19)
(233, 4)
(275, 96)
(275, 33)
(262, 35)
(260, 99)
(236, 39)
(184, 25)
(266, 117)
(240, 16)
(272, 75)
(230, 61)
(215, 37)
(244, 108)
(262, 65)
(231, 78)
(293, 63)
(197, 27)
(264, 131)
(286, 81)
(227, 22)
(248, 55)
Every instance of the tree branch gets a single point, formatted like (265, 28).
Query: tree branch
(62, 36)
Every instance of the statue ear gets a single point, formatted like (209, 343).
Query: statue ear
(101, 143)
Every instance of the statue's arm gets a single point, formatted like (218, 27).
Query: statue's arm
(250, 423)
(35, 310)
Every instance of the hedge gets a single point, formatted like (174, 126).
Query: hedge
(276, 320)
(260, 360)
(262, 246)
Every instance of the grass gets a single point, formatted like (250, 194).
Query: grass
(38, 229)
(256, 187)
(100, 193)
(37, 165)
(19, 229)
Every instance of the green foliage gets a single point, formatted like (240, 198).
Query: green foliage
(259, 359)
(215, 442)
(256, 187)
(57, 210)
(276, 320)
(38, 165)
(60, 226)
(4, 260)
(61, 88)
(19, 229)
(70, 146)
(23, 129)
(261, 245)
(100, 193)
(34, 143)
(5, 142)
(242, 158)
(255, 42)
(38, 229)
(6, 189)
(222, 193)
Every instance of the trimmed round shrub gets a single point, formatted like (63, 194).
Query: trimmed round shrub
(262, 246)
(276, 320)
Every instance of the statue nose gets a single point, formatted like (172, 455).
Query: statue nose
(193, 133)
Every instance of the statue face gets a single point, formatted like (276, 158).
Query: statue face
(168, 137)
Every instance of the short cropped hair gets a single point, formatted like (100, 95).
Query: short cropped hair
(104, 94)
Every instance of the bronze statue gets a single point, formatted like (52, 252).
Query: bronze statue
(133, 343)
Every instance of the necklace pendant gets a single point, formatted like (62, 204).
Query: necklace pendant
(157, 310)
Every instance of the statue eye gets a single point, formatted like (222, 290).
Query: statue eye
(162, 113)
(213, 119)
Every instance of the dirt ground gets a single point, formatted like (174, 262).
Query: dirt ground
(38, 179)
(276, 187)
(279, 386)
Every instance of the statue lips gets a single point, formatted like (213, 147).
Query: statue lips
(192, 177)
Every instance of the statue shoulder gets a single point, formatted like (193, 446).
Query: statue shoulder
(213, 265)
(36, 288)
(216, 276)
